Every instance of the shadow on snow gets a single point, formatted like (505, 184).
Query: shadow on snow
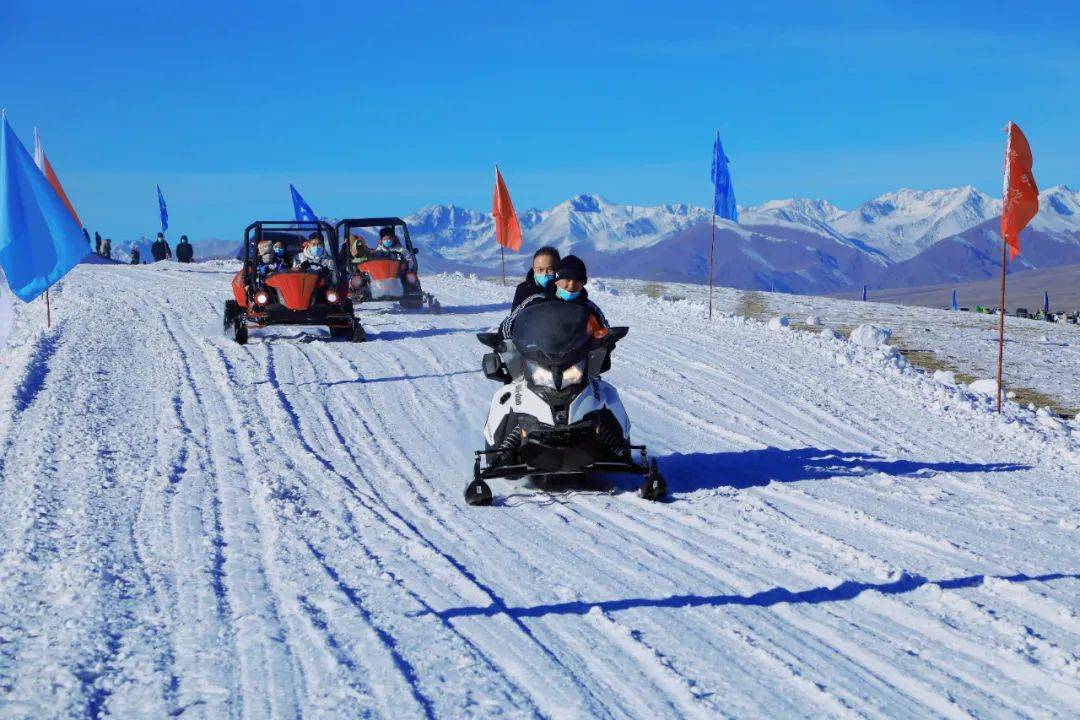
(756, 468)
(847, 590)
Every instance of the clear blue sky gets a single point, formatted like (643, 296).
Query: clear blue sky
(373, 109)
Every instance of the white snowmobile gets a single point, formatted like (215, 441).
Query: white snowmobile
(554, 419)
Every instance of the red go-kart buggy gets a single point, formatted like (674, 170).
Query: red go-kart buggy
(291, 295)
(379, 274)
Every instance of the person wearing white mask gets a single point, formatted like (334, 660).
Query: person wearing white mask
(314, 255)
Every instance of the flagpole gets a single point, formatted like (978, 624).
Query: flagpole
(1001, 326)
(48, 311)
(502, 262)
(712, 247)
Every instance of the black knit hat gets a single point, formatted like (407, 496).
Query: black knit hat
(572, 267)
(386, 232)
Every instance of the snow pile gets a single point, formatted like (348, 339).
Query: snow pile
(779, 323)
(986, 386)
(946, 377)
(831, 334)
(870, 336)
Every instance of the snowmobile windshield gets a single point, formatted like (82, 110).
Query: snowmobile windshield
(555, 334)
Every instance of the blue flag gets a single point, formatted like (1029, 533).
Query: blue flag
(1046, 302)
(164, 210)
(723, 193)
(301, 209)
(864, 293)
(39, 239)
(954, 305)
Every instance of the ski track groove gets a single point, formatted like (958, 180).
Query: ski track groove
(300, 504)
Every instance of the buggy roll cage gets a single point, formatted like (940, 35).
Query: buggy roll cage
(345, 228)
(253, 234)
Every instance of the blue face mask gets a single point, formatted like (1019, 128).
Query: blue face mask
(566, 294)
(543, 280)
(387, 243)
(279, 251)
(317, 251)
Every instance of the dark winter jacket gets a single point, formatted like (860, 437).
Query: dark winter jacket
(160, 250)
(134, 256)
(106, 248)
(97, 243)
(548, 295)
(185, 253)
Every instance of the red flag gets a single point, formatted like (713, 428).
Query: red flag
(1020, 200)
(507, 227)
(42, 161)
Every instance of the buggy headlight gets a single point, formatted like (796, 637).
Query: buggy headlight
(331, 296)
(540, 375)
(261, 297)
(410, 278)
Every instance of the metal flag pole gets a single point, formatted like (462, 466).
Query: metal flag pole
(502, 262)
(48, 311)
(712, 248)
(1001, 325)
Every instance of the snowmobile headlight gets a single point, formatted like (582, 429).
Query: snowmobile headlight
(331, 296)
(540, 375)
(262, 297)
(573, 374)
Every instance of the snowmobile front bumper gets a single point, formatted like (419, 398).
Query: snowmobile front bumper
(478, 492)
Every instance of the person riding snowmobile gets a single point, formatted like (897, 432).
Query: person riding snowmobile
(569, 286)
(160, 249)
(314, 256)
(540, 275)
(185, 253)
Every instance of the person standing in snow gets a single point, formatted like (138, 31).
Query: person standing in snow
(106, 248)
(184, 252)
(97, 242)
(160, 249)
(86, 234)
(540, 275)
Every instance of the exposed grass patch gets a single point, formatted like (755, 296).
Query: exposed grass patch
(931, 362)
(752, 304)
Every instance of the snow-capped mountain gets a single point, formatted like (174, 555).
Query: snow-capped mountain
(796, 210)
(1051, 240)
(903, 223)
(584, 224)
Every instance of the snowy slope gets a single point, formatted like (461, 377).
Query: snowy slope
(905, 222)
(277, 530)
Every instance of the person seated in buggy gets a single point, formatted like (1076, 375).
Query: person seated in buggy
(314, 256)
(359, 252)
(271, 259)
(389, 246)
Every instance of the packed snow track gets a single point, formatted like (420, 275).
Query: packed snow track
(193, 528)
